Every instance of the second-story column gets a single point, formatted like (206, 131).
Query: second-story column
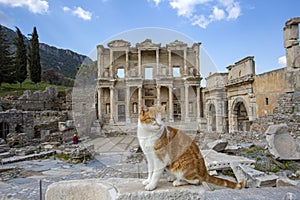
(184, 62)
(111, 55)
(158, 72)
(139, 63)
(127, 65)
(170, 63)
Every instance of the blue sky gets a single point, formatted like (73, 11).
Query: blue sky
(229, 30)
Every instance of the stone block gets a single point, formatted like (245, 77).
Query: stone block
(281, 144)
(284, 181)
(254, 178)
(218, 145)
(128, 189)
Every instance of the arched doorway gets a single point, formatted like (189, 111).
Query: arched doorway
(212, 125)
(240, 116)
(4, 130)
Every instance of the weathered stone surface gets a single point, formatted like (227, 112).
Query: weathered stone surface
(128, 189)
(85, 189)
(219, 161)
(218, 145)
(281, 144)
(284, 181)
(254, 178)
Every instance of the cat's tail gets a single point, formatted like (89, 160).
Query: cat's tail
(224, 182)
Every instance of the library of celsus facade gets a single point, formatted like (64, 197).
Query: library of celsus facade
(148, 74)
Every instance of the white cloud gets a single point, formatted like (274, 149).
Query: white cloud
(218, 14)
(157, 2)
(83, 14)
(66, 9)
(204, 12)
(234, 11)
(34, 6)
(282, 61)
(79, 12)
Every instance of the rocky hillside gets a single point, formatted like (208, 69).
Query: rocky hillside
(61, 60)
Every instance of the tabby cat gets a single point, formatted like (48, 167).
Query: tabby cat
(168, 148)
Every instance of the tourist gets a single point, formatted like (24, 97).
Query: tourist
(75, 139)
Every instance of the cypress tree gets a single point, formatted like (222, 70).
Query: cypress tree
(34, 58)
(7, 70)
(20, 58)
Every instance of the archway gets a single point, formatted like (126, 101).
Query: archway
(240, 116)
(212, 125)
(4, 130)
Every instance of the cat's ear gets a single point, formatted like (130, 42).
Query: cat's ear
(143, 110)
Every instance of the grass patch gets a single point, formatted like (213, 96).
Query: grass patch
(63, 156)
(15, 90)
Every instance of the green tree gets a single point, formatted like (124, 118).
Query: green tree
(7, 70)
(34, 58)
(20, 58)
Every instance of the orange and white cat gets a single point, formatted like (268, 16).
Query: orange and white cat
(168, 148)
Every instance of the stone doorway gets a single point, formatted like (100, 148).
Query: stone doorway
(121, 113)
(241, 117)
(4, 130)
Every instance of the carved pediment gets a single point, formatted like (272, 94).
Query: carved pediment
(177, 43)
(118, 43)
(147, 43)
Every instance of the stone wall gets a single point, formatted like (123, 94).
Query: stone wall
(39, 100)
(288, 111)
(16, 121)
(267, 87)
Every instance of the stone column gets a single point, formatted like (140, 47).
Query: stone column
(99, 105)
(140, 97)
(219, 116)
(111, 120)
(111, 54)
(198, 103)
(197, 61)
(186, 100)
(170, 63)
(99, 61)
(158, 72)
(158, 95)
(184, 62)
(139, 63)
(171, 109)
(127, 111)
(126, 65)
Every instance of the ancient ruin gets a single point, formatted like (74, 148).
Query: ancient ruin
(241, 120)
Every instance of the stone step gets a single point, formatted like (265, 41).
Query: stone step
(126, 189)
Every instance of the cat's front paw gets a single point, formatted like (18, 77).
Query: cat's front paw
(150, 187)
(171, 178)
(146, 182)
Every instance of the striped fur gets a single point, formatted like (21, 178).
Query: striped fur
(168, 148)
